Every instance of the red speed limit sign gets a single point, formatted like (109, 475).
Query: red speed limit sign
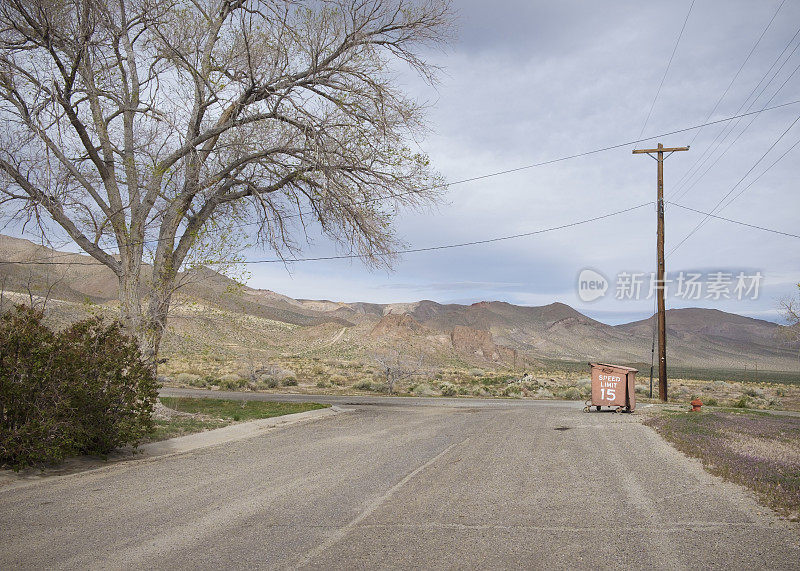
(613, 386)
(608, 386)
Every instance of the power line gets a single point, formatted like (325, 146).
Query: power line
(746, 127)
(666, 71)
(461, 244)
(512, 170)
(739, 71)
(490, 240)
(776, 161)
(703, 221)
(717, 142)
(739, 222)
(711, 148)
(406, 251)
(475, 178)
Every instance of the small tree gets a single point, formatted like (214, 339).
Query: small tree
(397, 366)
(150, 129)
(791, 311)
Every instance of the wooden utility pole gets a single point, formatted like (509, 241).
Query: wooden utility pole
(662, 317)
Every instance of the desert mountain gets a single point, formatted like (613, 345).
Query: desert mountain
(484, 332)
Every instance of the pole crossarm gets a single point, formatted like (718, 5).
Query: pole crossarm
(662, 150)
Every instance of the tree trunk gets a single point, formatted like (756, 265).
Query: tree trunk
(153, 327)
(159, 297)
(130, 304)
(147, 326)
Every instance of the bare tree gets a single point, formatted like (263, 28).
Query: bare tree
(38, 285)
(791, 311)
(39, 293)
(397, 366)
(151, 129)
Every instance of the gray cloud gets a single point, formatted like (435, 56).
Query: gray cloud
(533, 81)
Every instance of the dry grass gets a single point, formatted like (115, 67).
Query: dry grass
(758, 450)
(319, 372)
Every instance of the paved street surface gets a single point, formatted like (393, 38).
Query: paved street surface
(412, 483)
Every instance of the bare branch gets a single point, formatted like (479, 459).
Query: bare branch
(151, 123)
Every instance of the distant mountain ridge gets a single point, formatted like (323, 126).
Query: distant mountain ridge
(483, 331)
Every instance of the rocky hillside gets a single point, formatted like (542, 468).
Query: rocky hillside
(210, 308)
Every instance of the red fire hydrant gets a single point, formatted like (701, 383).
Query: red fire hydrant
(696, 404)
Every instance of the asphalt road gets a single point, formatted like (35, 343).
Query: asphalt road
(392, 484)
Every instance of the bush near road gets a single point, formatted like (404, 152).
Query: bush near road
(84, 390)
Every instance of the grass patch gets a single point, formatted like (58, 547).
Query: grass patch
(216, 413)
(180, 426)
(758, 450)
(238, 410)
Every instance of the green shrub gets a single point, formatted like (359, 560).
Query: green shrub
(363, 386)
(571, 393)
(742, 402)
(187, 379)
(231, 382)
(751, 392)
(322, 384)
(34, 420)
(111, 387)
(289, 382)
(84, 390)
(199, 382)
(712, 402)
(448, 389)
(422, 390)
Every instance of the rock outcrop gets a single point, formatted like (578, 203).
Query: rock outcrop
(395, 324)
(479, 342)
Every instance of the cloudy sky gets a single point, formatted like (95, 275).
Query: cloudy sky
(527, 82)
